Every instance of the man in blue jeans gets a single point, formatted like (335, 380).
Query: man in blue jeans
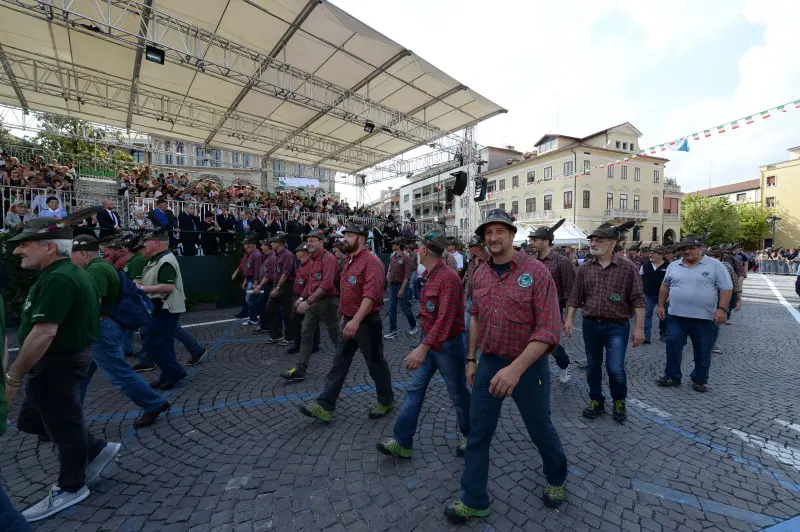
(515, 324)
(653, 272)
(443, 348)
(398, 277)
(107, 352)
(608, 288)
(477, 256)
(699, 289)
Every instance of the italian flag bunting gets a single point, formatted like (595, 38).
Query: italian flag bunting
(782, 108)
(735, 124)
(696, 136)
(720, 129)
(797, 104)
(765, 114)
(748, 120)
(707, 133)
(663, 148)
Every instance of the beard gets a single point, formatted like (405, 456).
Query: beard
(596, 251)
(349, 248)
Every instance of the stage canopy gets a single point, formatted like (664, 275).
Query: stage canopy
(294, 79)
(566, 235)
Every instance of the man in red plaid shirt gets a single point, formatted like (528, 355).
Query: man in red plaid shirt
(515, 324)
(608, 288)
(398, 278)
(360, 302)
(443, 348)
(478, 255)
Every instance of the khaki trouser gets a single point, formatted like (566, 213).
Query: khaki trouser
(325, 310)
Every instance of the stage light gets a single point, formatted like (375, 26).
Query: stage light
(369, 127)
(154, 54)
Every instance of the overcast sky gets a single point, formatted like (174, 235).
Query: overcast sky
(579, 66)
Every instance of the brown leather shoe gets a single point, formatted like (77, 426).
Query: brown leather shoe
(148, 418)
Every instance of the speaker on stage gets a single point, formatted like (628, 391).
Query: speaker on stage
(481, 186)
(461, 182)
(449, 196)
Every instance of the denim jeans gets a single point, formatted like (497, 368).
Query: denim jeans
(559, 353)
(450, 360)
(467, 306)
(254, 302)
(10, 518)
(412, 286)
(405, 306)
(702, 334)
(651, 305)
(189, 342)
(614, 339)
(158, 341)
(532, 397)
(127, 341)
(107, 354)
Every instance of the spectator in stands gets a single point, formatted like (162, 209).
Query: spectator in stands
(15, 217)
(108, 219)
(53, 210)
(161, 217)
(187, 227)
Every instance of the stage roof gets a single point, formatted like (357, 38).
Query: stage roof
(291, 79)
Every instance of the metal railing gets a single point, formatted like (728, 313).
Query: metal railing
(626, 213)
(778, 266)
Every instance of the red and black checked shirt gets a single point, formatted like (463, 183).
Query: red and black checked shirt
(518, 308)
(266, 268)
(400, 267)
(471, 267)
(441, 306)
(610, 293)
(324, 269)
(285, 264)
(362, 278)
(301, 277)
(563, 272)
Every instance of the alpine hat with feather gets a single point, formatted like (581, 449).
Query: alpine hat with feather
(609, 230)
(547, 233)
(51, 229)
(496, 216)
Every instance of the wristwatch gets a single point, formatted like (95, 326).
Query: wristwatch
(722, 308)
(301, 299)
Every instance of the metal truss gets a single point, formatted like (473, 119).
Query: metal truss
(134, 24)
(71, 82)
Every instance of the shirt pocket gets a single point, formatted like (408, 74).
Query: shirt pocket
(518, 304)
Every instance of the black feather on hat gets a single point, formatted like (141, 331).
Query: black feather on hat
(547, 233)
(51, 229)
(609, 230)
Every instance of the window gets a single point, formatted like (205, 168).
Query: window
(547, 146)
(637, 174)
(610, 170)
(656, 175)
(217, 157)
(633, 146)
(548, 173)
(514, 207)
(492, 186)
(301, 170)
(771, 202)
(655, 204)
(138, 156)
(502, 184)
(530, 205)
(671, 205)
(515, 181)
(636, 205)
(168, 152)
(655, 234)
(279, 168)
(405, 198)
(772, 180)
(609, 200)
(624, 173)
(568, 199)
(531, 176)
(619, 144)
(625, 146)
(586, 199)
(587, 165)
(548, 202)
(237, 159)
(741, 197)
(569, 167)
(503, 206)
(623, 201)
(180, 150)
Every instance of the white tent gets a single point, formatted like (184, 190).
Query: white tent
(566, 235)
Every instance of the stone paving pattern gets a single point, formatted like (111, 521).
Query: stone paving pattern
(234, 454)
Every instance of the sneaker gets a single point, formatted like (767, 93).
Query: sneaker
(553, 495)
(390, 335)
(663, 338)
(100, 461)
(392, 448)
(143, 367)
(565, 375)
(55, 501)
(240, 316)
(716, 350)
(458, 512)
(259, 331)
(461, 450)
(148, 418)
(620, 413)
(646, 340)
(314, 409)
(250, 322)
(667, 381)
(274, 340)
(285, 341)
(294, 375)
(413, 331)
(195, 360)
(595, 409)
(380, 410)
(699, 387)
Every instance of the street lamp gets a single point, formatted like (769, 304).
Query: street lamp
(773, 220)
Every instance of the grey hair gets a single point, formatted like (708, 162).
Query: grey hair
(63, 246)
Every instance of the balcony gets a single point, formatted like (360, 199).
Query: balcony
(626, 214)
(530, 216)
(672, 217)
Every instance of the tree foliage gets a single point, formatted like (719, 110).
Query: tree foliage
(714, 217)
(753, 225)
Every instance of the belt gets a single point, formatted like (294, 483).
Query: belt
(613, 321)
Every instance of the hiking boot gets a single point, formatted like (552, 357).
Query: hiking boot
(392, 448)
(99, 462)
(148, 418)
(275, 340)
(294, 375)
(195, 360)
(696, 386)
(458, 512)
(143, 367)
(667, 381)
(595, 409)
(461, 450)
(553, 495)
(314, 409)
(620, 413)
(565, 375)
(380, 410)
(55, 501)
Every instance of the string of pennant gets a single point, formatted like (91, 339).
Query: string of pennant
(673, 144)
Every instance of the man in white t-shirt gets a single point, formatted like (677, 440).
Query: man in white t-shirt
(451, 248)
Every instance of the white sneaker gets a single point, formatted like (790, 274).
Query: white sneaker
(100, 461)
(716, 349)
(413, 331)
(390, 335)
(566, 375)
(55, 501)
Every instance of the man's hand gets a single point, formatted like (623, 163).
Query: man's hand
(415, 358)
(568, 328)
(401, 293)
(274, 292)
(720, 316)
(234, 275)
(302, 307)
(637, 337)
(244, 284)
(504, 382)
(256, 290)
(738, 305)
(11, 392)
(351, 329)
(472, 368)
(662, 313)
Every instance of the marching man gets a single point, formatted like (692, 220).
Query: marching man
(515, 324)
(398, 277)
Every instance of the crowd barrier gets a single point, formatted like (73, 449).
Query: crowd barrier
(777, 267)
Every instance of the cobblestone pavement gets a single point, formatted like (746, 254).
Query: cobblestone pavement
(235, 454)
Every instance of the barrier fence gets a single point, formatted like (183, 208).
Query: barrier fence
(778, 266)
